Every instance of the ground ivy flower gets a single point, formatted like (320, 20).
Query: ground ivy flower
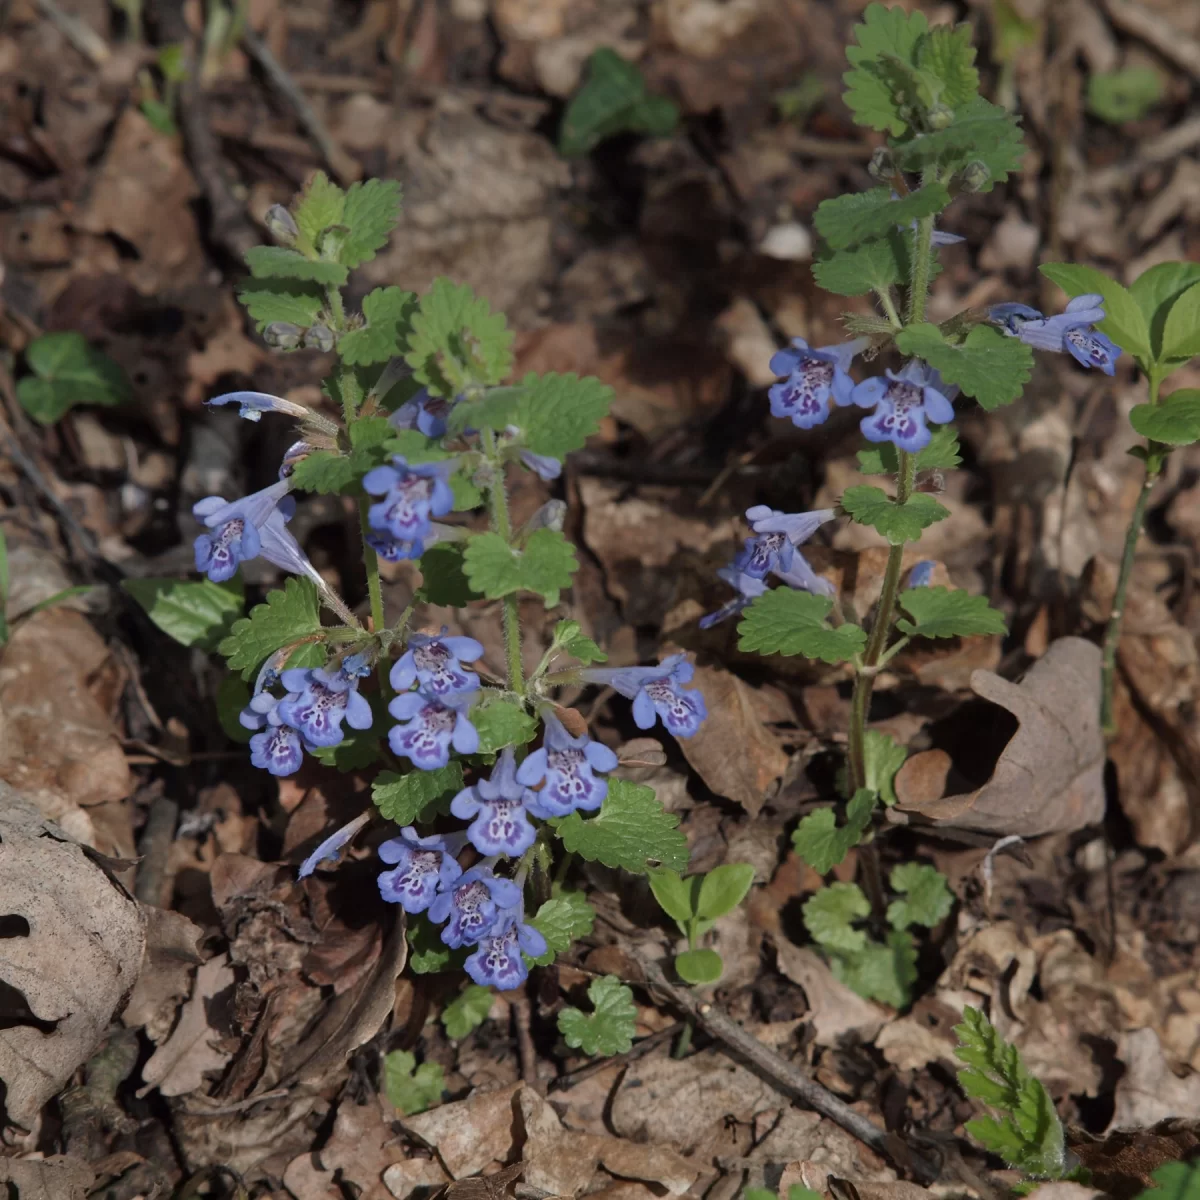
(235, 529)
(435, 661)
(566, 765)
(813, 378)
(903, 404)
(773, 549)
(411, 496)
(423, 412)
(498, 804)
(429, 727)
(921, 574)
(471, 905)
(542, 465)
(656, 692)
(320, 700)
(1070, 331)
(748, 588)
(278, 748)
(277, 544)
(329, 848)
(420, 867)
(498, 962)
(252, 405)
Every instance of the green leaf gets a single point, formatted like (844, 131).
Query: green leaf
(233, 694)
(444, 582)
(1126, 94)
(494, 409)
(1029, 1135)
(467, 1011)
(388, 312)
(941, 454)
(403, 798)
(567, 636)
(884, 31)
(1124, 320)
(193, 612)
(613, 99)
(427, 953)
(787, 621)
(327, 472)
(288, 615)
(562, 921)
(883, 971)
(980, 132)
(948, 612)
(544, 565)
(358, 749)
(1176, 1181)
(289, 300)
(411, 1089)
(632, 831)
(699, 967)
(676, 896)
(829, 917)
(1156, 292)
(1181, 330)
(822, 843)
(723, 889)
(558, 413)
(874, 264)
(946, 51)
(610, 1028)
(68, 371)
(502, 723)
(457, 341)
(319, 206)
(278, 262)
(927, 897)
(1174, 421)
(882, 757)
(371, 212)
(847, 220)
(898, 523)
(989, 365)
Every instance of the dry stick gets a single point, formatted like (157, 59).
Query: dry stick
(1156, 31)
(78, 32)
(522, 1017)
(639, 1048)
(340, 163)
(783, 1074)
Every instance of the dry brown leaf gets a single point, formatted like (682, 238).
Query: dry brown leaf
(60, 1177)
(172, 950)
(360, 1151)
(833, 1009)
(1150, 1091)
(1064, 1190)
(471, 1133)
(735, 754)
(413, 1176)
(1050, 777)
(68, 973)
(179, 1065)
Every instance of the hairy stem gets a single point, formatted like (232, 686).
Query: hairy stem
(1112, 633)
(922, 264)
(501, 524)
(889, 306)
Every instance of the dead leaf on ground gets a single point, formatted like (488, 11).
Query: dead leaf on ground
(59, 1177)
(1064, 1190)
(1050, 777)
(469, 1134)
(833, 1009)
(73, 960)
(735, 754)
(172, 951)
(1150, 1091)
(180, 1064)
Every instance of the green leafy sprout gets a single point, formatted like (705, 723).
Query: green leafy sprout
(695, 904)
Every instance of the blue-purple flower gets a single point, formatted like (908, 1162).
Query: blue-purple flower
(656, 692)
(748, 589)
(423, 412)
(278, 748)
(542, 465)
(411, 497)
(429, 727)
(498, 804)
(235, 527)
(252, 405)
(1070, 331)
(565, 764)
(777, 534)
(471, 905)
(498, 962)
(319, 701)
(903, 404)
(921, 574)
(435, 660)
(814, 377)
(420, 867)
(328, 849)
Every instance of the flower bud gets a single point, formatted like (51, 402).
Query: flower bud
(939, 117)
(283, 335)
(331, 241)
(975, 177)
(281, 224)
(319, 337)
(882, 165)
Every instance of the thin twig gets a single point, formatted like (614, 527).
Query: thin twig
(78, 32)
(781, 1073)
(1156, 31)
(522, 1017)
(343, 165)
(639, 1048)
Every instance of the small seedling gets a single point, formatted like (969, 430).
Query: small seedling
(695, 904)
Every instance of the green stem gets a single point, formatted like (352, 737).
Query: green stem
(502, 524)
(864, 681)
(1112, 634)
(922, 265)
(889, 306)
(337, 309)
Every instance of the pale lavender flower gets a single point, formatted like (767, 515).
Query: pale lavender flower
(420, 866)
(435, 661)
(501, 824)
(252, 405)
(656, 692)
(498, 962)
(814, 377)
(235, 529)
(471, 905)
(903, 404)
(565, 764)
(429, 727)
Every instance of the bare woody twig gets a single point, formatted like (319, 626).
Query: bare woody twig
(346, 168)
(785, 1076)
(78, 32)
(1156, 31)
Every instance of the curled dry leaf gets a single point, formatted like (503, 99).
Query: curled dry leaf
(172, 950)
(75, 956)
(471, 1133)
(833, 1009)
(1049, 779)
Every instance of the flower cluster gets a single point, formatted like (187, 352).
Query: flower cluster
(1070, 331)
